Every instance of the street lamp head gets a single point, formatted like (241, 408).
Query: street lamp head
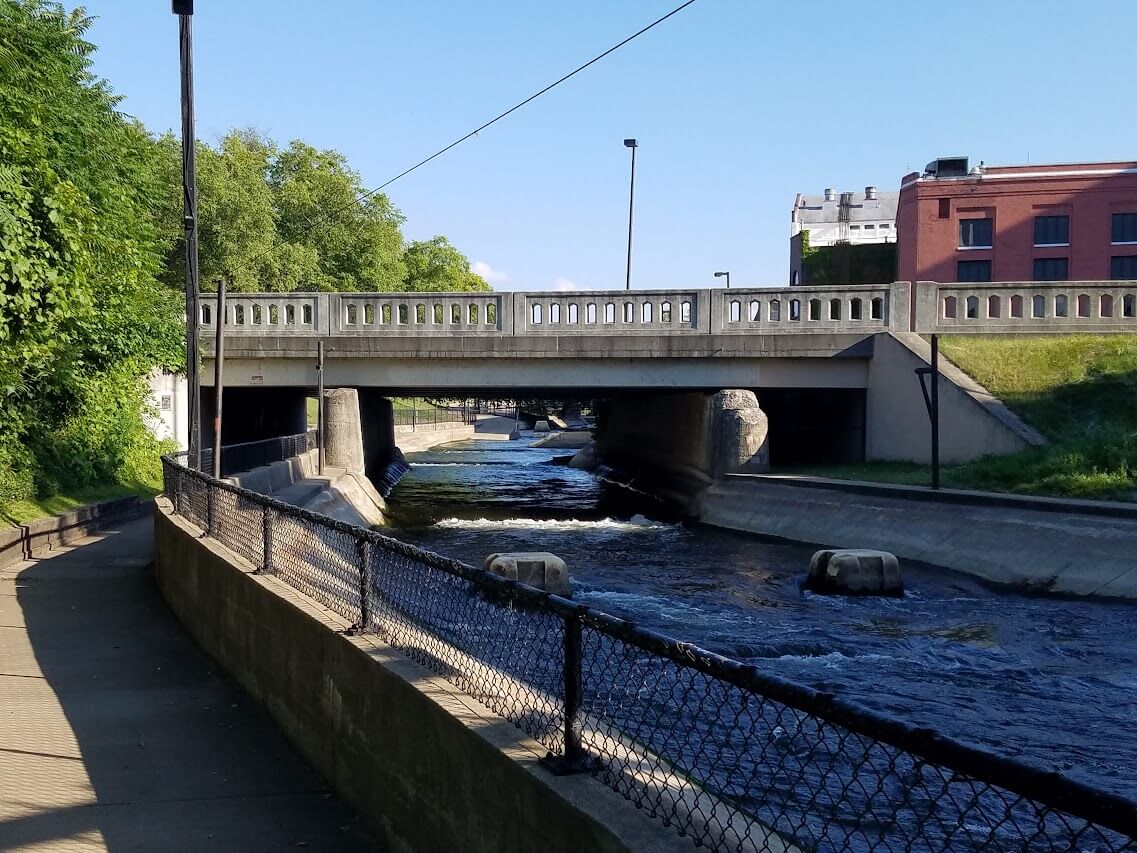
(630, 143)
(721, 274)
(181, 7)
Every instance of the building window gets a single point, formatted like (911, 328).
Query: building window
(1051, 269)
(1123, 268)
(975, 234)
(870, 227)
(855, 227)
(885, 225)
(167, 402)
(1124, 228)
(973, 271)
(945, 208)
(1052, 230)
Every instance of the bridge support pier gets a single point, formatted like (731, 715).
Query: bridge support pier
(675, 445)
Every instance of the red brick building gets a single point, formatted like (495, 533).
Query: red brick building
(1074, 221)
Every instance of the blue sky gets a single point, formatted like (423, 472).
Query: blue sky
(737, 105)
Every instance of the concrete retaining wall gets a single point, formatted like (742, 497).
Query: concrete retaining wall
(1074, 547)
(427, 766)
(973, 422)
(24, 541)
(425, 436)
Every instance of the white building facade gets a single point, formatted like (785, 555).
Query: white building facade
(833, 217)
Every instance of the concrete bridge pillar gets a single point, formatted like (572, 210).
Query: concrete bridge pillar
(343, 438)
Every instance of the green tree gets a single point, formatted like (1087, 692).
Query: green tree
(436, 265)
(79, 247)
(356, 245)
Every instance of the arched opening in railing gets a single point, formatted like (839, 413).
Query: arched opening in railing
(795, 310)
(994, 307)
(491, 313)
(646, 312)
(629, 312)
(735, 311)
(535, 314)
(755, 311)
(439, 313)
(685, 312)
(1016, 306)
(573, 314)
(352, 315)
(876, 308)
(855, 307)
(610, 312)
(420, 314)
(775, 310)
(1105, 305)
(815, 309)
(1038, 306)
(385, 314)
(290, 315)
(834, 309)
(1128, 305)
(258, 314)
(590, 313)
(404, 315)
(306, 315)
(239, 314)
(472, 314)
(206, 315)
(1061, 305)
(455, 314)
(1083, 305)
(972, 308)
(665, 312)
(273, 315)
(555, 312)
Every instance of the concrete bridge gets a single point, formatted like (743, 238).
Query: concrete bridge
(832, 367)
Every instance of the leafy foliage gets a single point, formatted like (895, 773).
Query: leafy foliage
(92, 256)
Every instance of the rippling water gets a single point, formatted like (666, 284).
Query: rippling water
(1050, 680)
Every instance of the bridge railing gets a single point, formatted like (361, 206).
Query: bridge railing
(1026, 306)
(963, 308)
(727, 755)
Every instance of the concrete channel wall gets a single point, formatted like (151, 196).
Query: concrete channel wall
(1044, 544)
(427, 766)
(425, 436)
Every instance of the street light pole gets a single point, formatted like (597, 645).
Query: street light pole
(184, 10)
(631, 143)
(727, 274)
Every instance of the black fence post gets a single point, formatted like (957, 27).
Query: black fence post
(266, 536)
(575, 759)
(363, 550)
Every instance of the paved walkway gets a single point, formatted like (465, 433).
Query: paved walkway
(117, 733)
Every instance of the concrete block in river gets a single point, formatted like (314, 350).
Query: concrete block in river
(538, 569)
(854, 572)
(541, 426)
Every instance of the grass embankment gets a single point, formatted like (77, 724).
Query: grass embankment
(24, 511)
(1080, 391)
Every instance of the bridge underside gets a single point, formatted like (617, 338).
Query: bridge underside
(550, 365)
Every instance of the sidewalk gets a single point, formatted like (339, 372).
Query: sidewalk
(117, 733)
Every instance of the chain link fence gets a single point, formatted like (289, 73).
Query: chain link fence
(730, 757)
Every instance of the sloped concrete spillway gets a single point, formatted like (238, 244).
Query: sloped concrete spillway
(1049, 680)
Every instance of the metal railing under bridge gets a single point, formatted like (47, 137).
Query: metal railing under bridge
(729, 756)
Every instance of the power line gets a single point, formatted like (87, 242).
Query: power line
(364, 196)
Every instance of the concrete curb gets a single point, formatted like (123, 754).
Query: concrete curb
(25, 541)
(969, 497)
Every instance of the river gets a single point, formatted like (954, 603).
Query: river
(1051, 681)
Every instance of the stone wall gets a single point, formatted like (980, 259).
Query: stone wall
(428, 767)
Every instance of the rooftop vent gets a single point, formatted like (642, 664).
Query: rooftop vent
(947, 167)
(870, 193)
(830, 194)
